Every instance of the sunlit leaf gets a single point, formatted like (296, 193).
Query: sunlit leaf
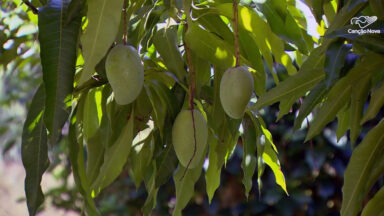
(103, 23)
(210, 46)
(165, 41)
(270, 156)
(310, 73)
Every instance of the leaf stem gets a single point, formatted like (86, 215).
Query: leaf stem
(236, 31)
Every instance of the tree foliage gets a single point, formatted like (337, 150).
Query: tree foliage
(185, 47)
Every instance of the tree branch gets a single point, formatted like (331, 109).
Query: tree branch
(31, 7)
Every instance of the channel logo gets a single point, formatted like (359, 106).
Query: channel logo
(363, 21)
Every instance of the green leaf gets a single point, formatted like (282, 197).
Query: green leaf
(345, 14)
(358, 96)
(270, 155)
(343, 121)
(166, 161)
(249, 162)
(165, 95)
(92, 112)
(317, 8)
(165, 41)
(76, 156)
(315, 97)
(185, 185)
(327, 112)
(285, 106)
(329, 11)
(115, 158)
(282, 22)
(310, 73)
(372, 42)
(58, 44)
(377, 101)
(209, 46)
(75, 10)
(339, 95)
(334, 61)
(250, 21)
(375, 206)
(150, 185)
(103, 24)
(159, 108)
(141, 155)
(264, 38)
(364, 168)
(222, 139)
(259, 147)
(377, 7)
(212, 175)
(250, 51)
(96, 148)
(34, 151)
(203, 72)
(213, 23)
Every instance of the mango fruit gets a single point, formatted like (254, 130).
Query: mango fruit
(125, 73)
(183, 137)
(236, 88)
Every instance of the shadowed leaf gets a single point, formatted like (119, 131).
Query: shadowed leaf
(58, 43)
(34, 151)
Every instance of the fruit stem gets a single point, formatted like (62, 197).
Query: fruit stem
(192, 87)
(125, 22)
(236, 31)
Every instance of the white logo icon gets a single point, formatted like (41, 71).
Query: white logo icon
(363, 21)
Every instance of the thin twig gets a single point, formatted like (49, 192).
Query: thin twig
(96, 81)
(236, 31)
(31, 6)
(125, 22)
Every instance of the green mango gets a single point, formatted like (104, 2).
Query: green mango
(125, 73)
(236, 88)
(183, 137)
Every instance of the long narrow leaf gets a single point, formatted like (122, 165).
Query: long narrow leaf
(360, 176)
(58, 43)
(115, 158)
(34, 151)
(76, 155)
(103, 24)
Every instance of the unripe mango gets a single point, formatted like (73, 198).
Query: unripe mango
(236, 88)
(125, 73)
(183, 137)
